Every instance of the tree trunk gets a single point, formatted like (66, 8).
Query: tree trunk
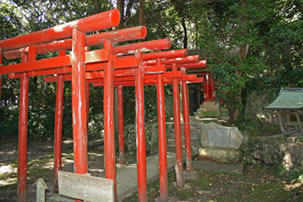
(141, 13)
(98, 6)
(235, 112)
(120, 6)
(185, 32)
(128, 11)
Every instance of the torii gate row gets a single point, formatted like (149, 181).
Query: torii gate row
(92, 59)
(61, 64)
(77, 30)
(120, 81)
(120, 65)
(128, 57)
(167, 54)
(208, 86)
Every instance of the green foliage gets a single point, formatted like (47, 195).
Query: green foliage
(249, 44)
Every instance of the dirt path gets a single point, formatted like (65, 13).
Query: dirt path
(257, 184)
(40, 165)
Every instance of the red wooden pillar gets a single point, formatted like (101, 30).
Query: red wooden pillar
(109, 133)
(205, 87)
(186, 124)
(0, 83)
(87, 104)
(178, 140)
(121, 125)
(58, 127)
(22, 136)
(87, 96)
(162, 138)
(0, 75)
(141, 147)
(208, 87)
(79, 102)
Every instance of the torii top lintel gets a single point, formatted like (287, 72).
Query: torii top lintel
(127, 34)
(92, 23)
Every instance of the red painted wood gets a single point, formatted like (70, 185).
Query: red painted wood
(109, 135)
(58, 65)
(100, 82)
(165, 54)
(186, 124)
(79, 103)
(127, 34)
(22, 136)
(0, 75)
(207, 88)
(197, 80)
(162, 137)
(87, 103)
(144, 46)
(58, 129)
(178, 141)
(128, 76)
(89, 24)
(121, 125)
(55, 62)
(141, 145)
(201, 64)
(0, 86)
(182, 60)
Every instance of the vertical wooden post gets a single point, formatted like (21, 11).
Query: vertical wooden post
(280, 122)
(211, 86)
(162, 137)
(58, 127)
(109, 133)
(0, 75)
(186, 124)
(87, 103)
(299, 121)
(79, 102)
(208, 87)
(178, 140)
(121, 125)
(22, 137)
(141, 147)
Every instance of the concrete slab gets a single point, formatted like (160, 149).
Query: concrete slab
(191, 175)
(127, 174)
(206, 165)
(127, 177)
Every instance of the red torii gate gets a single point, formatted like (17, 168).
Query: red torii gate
(79, 60)
(129, 80)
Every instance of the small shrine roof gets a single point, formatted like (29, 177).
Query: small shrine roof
(289, 98)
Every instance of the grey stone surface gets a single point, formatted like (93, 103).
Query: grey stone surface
(127, 174)
(275, 150)
(222, 155)
(217, 136)
(218, 167)
(53, 197)
(130, 137)
(170, 131)
(190, 175)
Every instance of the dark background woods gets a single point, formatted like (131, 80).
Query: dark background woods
(252, 46)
